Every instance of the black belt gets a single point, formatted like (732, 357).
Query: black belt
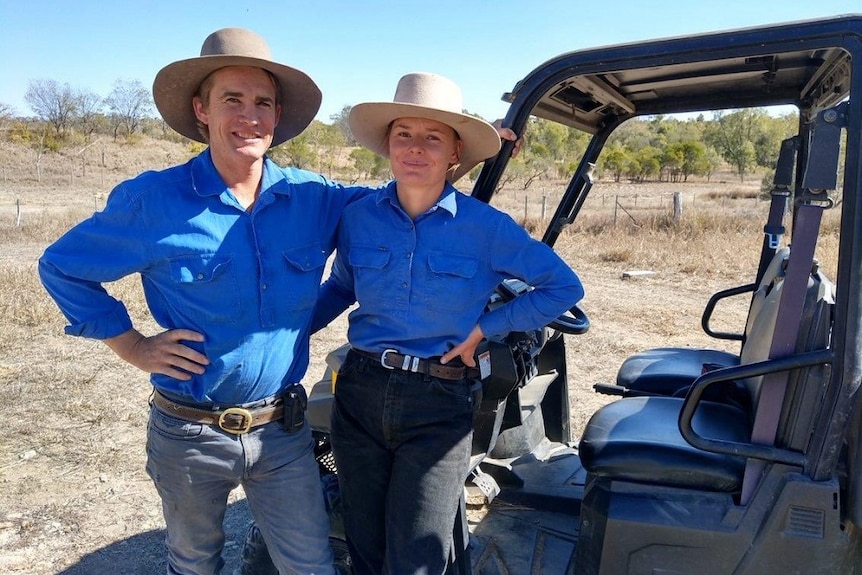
(391, 359)
(236, 420)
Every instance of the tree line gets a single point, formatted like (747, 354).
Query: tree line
(654, 148)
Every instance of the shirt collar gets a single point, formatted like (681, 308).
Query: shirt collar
(206, 180)
(448, 199)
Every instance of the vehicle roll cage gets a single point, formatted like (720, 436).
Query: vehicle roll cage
(812, 65)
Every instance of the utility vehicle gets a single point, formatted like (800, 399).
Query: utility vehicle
(706, 462)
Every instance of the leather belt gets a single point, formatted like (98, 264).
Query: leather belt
(391, 359)
(236, 420)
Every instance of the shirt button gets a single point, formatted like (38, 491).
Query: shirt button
(200, 276)
(263, 287)
(404, 285)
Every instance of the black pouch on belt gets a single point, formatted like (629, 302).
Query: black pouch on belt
(295, 402)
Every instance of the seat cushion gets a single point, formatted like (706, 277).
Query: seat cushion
(667, 370)
(638, 439)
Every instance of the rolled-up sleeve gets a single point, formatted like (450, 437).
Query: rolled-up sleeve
(100, 249)
(556, 287)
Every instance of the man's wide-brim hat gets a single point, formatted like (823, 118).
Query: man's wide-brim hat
(423, 95)
(177, 83)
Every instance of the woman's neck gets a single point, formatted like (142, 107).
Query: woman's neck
(416, 200)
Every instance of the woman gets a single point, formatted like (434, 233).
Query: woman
(422, 261)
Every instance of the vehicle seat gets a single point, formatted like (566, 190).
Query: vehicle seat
(638, 438)
(669, 371)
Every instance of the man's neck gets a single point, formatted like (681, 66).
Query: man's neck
(243, 179)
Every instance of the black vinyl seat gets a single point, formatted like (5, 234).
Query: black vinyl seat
(669, 371)
(614, 444)
(639, 439)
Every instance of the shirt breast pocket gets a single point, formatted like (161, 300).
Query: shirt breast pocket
(304, 271)
(450, 281)
(206, 287)
(371, 275)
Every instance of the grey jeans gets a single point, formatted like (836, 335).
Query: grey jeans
(194, 468)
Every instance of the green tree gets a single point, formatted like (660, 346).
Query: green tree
(614, 158)
(772, 131)
(368, 165)
(296, 152)
(649, 160)
(672, 159)
(694, 159)
(733, 135)
(329, 141)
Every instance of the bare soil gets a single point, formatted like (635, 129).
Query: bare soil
(74, 497)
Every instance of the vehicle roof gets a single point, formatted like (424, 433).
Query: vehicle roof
(800, 63)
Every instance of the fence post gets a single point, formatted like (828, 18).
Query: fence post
(616, 203)
(525, 206)
(677, 206)
(544, 206)
(18, 212)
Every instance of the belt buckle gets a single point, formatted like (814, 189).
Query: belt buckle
(246, 414)
(383, 357)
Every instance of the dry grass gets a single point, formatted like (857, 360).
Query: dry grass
(72, 451)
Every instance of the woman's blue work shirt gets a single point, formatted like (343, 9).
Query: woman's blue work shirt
(423, 284)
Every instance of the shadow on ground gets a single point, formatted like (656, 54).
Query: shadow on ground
(144, 553)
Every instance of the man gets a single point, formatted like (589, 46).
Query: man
(230, 249)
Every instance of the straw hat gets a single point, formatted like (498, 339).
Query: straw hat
(429, 96)
(177, 83)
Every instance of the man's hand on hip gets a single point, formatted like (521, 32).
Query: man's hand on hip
(163, 353)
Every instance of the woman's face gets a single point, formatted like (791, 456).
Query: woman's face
(421, 150)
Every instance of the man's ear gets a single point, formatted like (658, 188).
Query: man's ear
(200, 110)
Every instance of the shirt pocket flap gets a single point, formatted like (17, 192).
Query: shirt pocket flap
(366, 257)
(453, 265)
(306, 258)
(198, 267)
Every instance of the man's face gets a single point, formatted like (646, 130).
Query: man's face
(421, 150)
(241, 112)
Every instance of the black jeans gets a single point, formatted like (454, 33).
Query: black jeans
(402, 446)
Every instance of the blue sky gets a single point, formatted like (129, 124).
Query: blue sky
(354, 49)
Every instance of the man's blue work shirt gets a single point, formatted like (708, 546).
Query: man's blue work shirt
(247, 281)
(422, 285)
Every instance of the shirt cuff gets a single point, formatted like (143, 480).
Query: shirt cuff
(494, 323)
(111, 325)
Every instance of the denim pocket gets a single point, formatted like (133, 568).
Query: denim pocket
(173, 428)
(450, 394)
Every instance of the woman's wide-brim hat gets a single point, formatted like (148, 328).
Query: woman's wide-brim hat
(423, 95)
(177, 83)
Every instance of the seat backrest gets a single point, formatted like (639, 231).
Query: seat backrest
(813, 328)
(761, 298)
(805, 387)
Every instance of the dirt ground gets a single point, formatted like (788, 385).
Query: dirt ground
(74, 497)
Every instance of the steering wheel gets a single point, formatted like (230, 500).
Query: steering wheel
(572, 322)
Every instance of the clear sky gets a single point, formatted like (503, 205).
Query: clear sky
(354, 49)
